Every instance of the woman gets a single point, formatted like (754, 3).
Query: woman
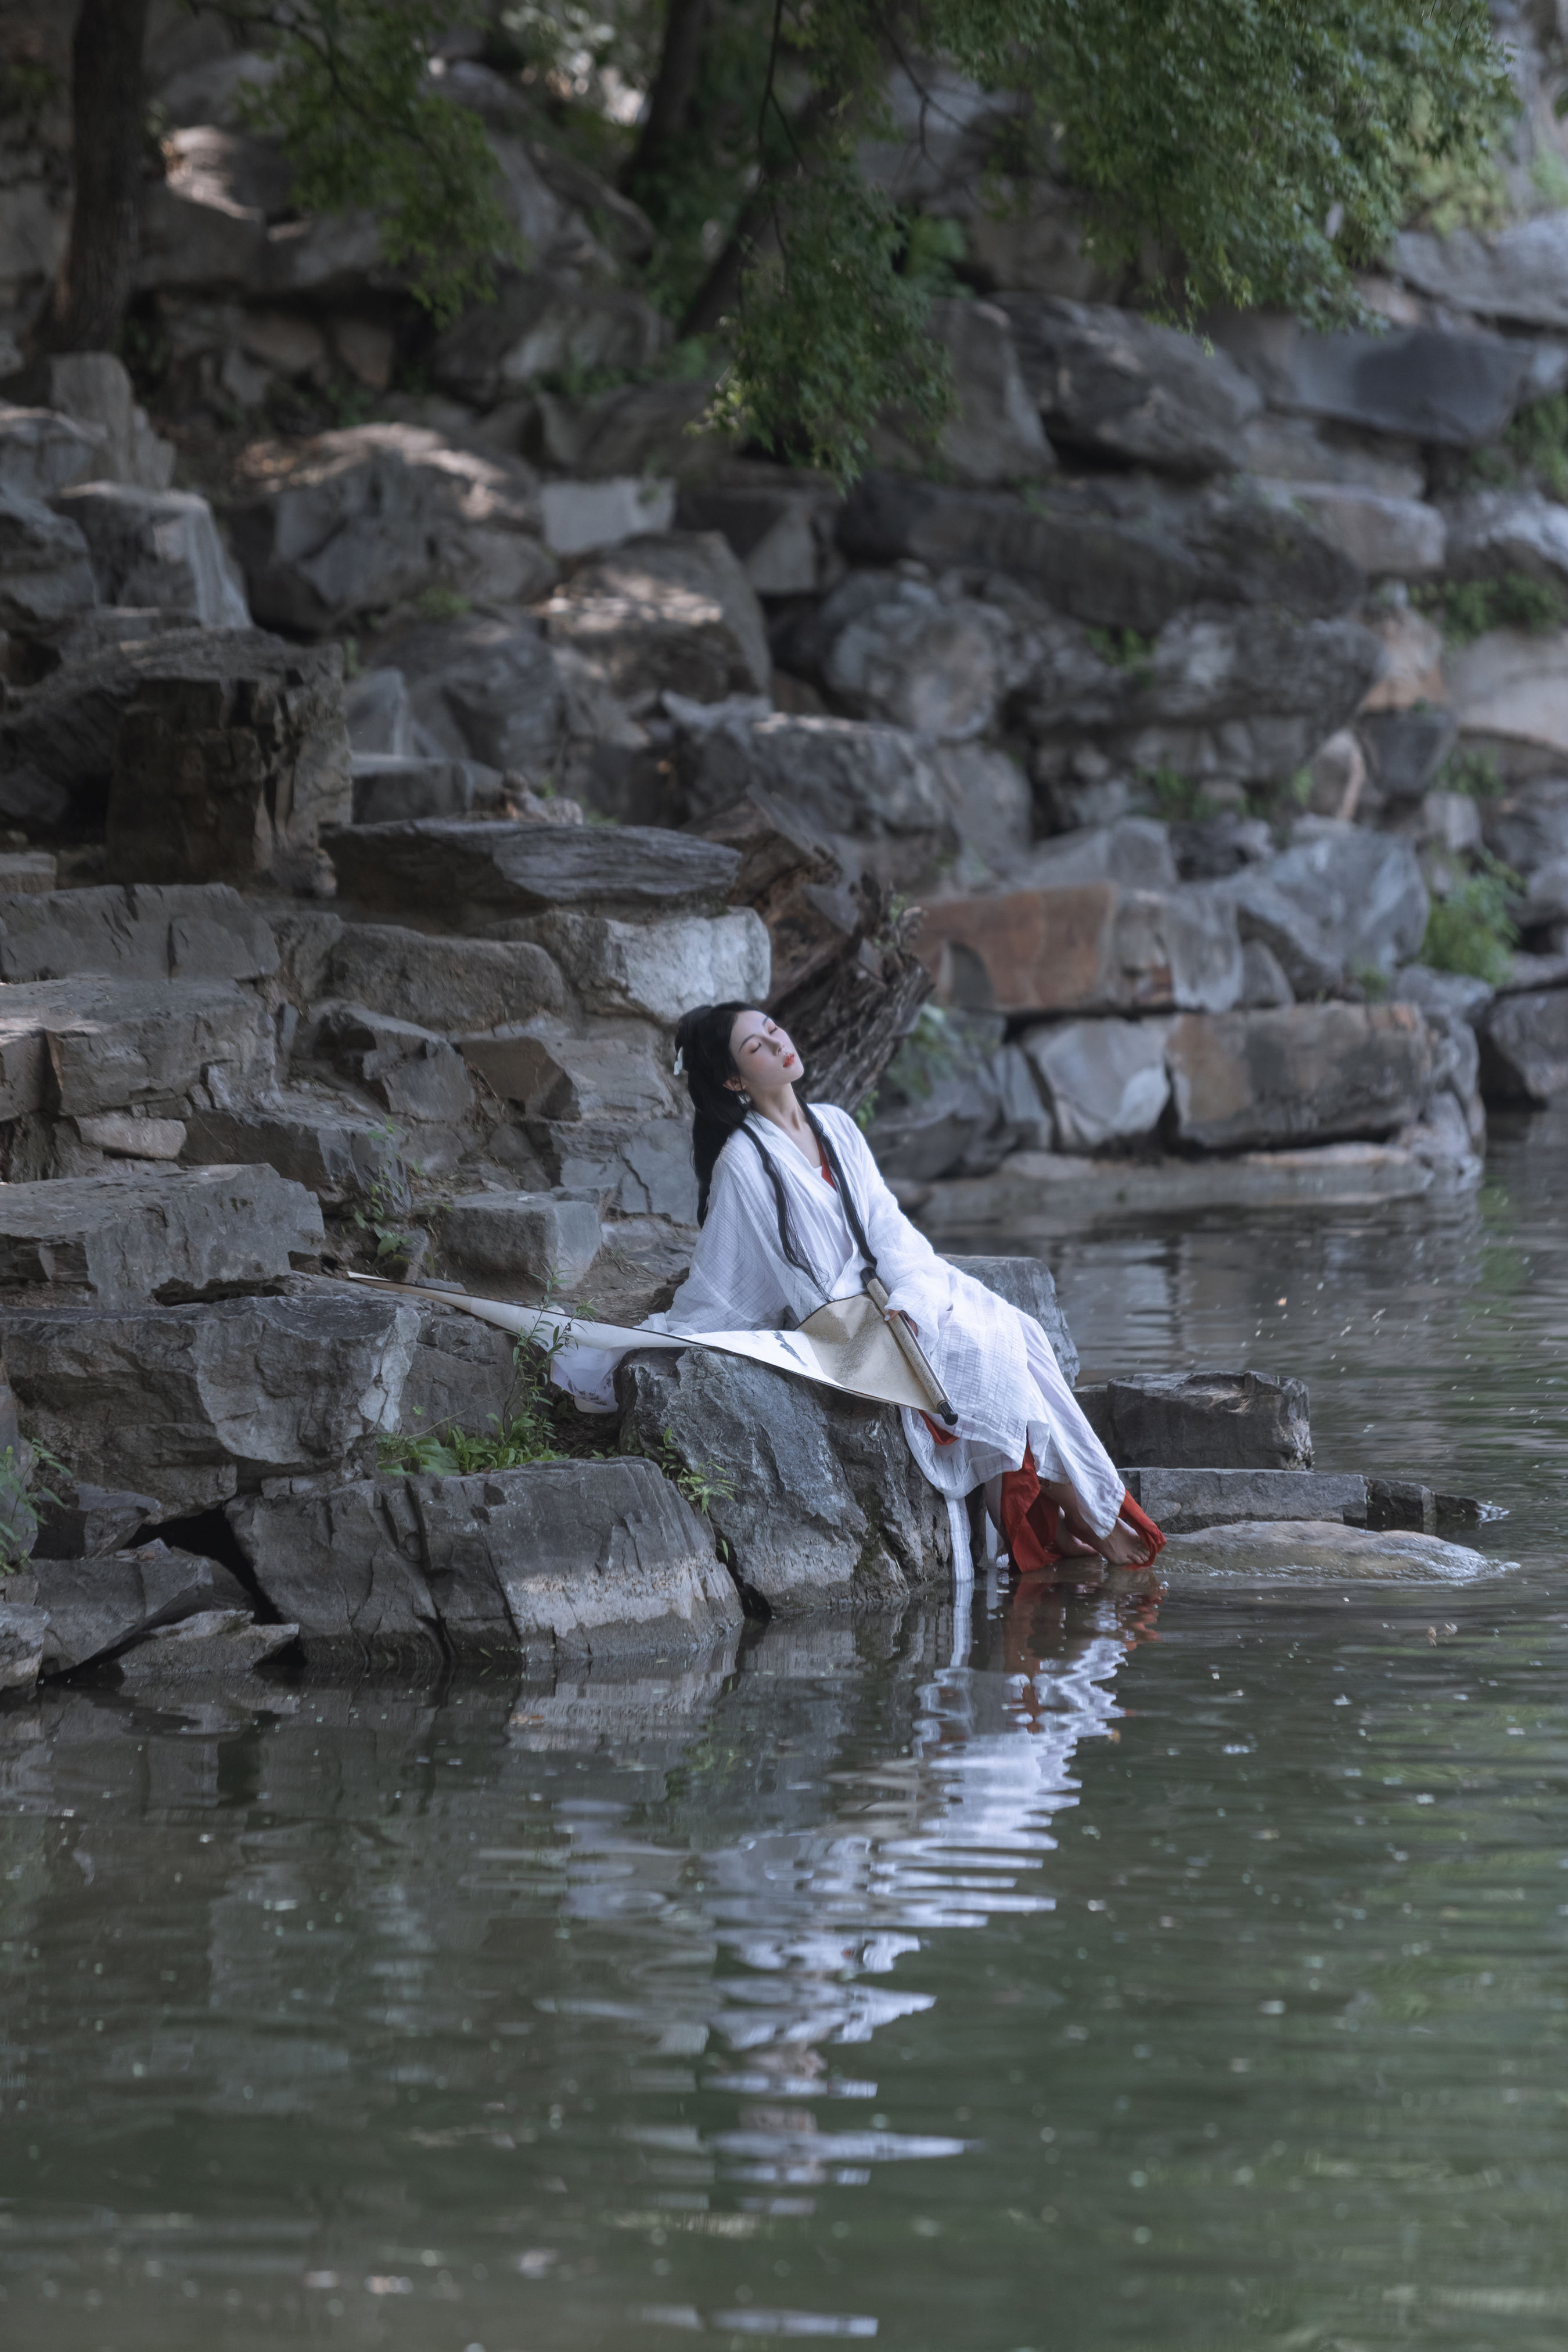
(781, 1190)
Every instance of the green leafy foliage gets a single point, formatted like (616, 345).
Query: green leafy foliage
(365, 128)
(1467, 609)
(19, 1498)
(1534, 449)
(829, 332)
(1471, 930)
(1474, 773)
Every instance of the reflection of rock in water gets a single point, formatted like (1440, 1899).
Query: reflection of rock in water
(379, 1897)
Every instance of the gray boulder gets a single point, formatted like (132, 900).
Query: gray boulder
(410, 1072)
(671, 614)
(155, 547)
(546, 323)
(335, 1155)
(571, 1558)
(1519, 272)
(1134, 853)
(1524, 1047)
(42, 452)
(485, 686)
(637, 1167)
(1027, 1284)
(1343, 900)
(779, 521)
(45, 576)
(992, 434)
(445, 984)
(1244, 1081)
(1250, 698)
(1499, 531)
(119, 1241)
(1528, 826)
(86, 1521)
(1263, 982)
(1386, 538)
(467, 877)
(463, 1375)
(205, 1402)
(386, 790)
(1116, 552)
(659, 969)
(1405, 748)
(94, 391)
(1110, 381)
(1313, 1553)
(1216, 1420)
(844, 775)
(97, 1607)
(215, 1653)
(378, 714)
(24, 1631)
(531, 1238)
(555, 1072)
(135, 932)
(935, 665)
(1181, 1500)
(1106, 1081)
(76, 1047)
(1423, 383)
(228, 763)
(358, 521)
(825, 1507)
(966, 1124)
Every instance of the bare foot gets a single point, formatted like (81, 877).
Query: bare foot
(1124, 1546)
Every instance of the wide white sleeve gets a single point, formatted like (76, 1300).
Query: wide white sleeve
(733, 1285)
(904, 1256)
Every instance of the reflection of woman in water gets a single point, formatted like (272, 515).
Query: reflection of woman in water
(782, 1189)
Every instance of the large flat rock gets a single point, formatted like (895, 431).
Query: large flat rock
(583, 1557)
(1316, 1552)
(1088, 947)
(97, 1607)
(1179, 1501)
(1046, 1192)
(201, 1402)
(467, 876)
(135, 932)
(126, 1241)
(77, 1047)
(1322, 1071)
(1204, 1425)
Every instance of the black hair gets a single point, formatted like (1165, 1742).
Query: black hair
(702, 1040)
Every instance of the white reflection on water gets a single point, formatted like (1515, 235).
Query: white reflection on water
(798, 1929)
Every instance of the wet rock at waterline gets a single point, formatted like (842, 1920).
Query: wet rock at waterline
(1316, 1552)
(580, 1558)
(815, 1497)
(1179, 1501)
(1211, 1421)
(218, 1649)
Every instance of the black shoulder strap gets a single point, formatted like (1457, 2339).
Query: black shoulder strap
(789, 1254)
(852, 1215)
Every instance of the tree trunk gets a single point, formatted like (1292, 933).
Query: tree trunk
(669, 99)
(99, 270)
(850, 1021)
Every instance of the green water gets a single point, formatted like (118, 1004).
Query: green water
(1071, 1977)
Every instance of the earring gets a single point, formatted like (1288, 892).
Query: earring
(746, 1099)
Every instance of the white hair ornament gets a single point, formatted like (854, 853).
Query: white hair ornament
(679, 1060)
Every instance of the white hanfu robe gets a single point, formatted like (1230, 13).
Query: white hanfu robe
(995, 1362)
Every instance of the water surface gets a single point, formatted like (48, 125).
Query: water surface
(1078, 1974)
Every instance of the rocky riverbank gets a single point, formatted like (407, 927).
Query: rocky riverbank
(1124, 805)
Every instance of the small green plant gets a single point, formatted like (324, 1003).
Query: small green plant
(440, 604)
(929, 1053)
(386, 1203)
(524, 1431)
(19, 1500)
(1474, 773)
(1125, 649)
(1471, 930)
(1468, 609)
(702, 1484)
(1373, 982)
(1180, 800)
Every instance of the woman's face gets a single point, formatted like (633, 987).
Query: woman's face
(763, 1053)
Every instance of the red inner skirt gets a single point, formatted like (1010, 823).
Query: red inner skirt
(1031, 1523)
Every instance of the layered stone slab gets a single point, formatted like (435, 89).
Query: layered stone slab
(200, 1402)
(1215, 1421)
(75, 1047)
(1240, 1080)
(580, 1558)
(133, 931)
(124, 1241)
(1180, 1500)
(464, 877)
